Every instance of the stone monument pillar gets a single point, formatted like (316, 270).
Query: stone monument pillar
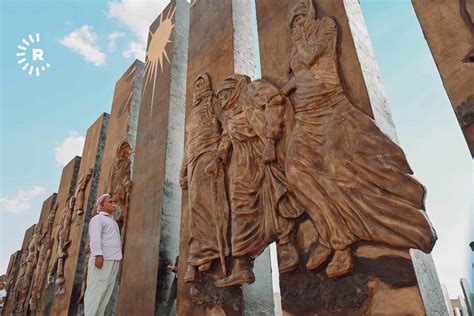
(155, 201)
(66, 188)
(18, 293)
(345, 267)
(448, 26)
(116, 171)
(70, 268)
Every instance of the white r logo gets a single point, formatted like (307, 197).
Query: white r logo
(37, 54)
(30, 56)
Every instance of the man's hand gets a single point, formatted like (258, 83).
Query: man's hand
(99, 262)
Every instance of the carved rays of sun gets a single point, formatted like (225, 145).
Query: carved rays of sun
(156, 54)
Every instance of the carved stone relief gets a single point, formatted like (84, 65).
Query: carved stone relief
(29, 266)
(119, 182)
(41, 271)
(78, 200)
(260, 158)
(56, 273)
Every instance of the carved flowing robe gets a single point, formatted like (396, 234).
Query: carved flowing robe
(120, 173)
(262, 209)
(207, 200)
(354, 181)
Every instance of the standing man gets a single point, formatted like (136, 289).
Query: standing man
(104, 261)
(3, 295)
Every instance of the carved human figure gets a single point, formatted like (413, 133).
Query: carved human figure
(262, 209)
(354, 181)
(43, 261)
(26, 279)
(209, 210)
(80, 192)
(21, 275)
(119, 181)
(63, 243)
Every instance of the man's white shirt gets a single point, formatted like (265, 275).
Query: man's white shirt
(104, 236)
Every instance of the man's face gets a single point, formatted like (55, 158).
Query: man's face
(109, 206)
(2, 286)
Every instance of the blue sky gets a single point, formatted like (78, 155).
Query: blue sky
(44, 119)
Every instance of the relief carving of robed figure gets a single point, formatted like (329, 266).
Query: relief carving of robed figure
(351, 178)
(262, 208)
(209, 211)
(302, 149)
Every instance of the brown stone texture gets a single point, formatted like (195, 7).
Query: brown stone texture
(122, 128)
(12, 273)
(379, 275)
(272, 20)
(210, 51)
(138, 294)
(449, 30)
(66, 302)
(13, 295)
(122, 125)
(66, 188)
(46, 209)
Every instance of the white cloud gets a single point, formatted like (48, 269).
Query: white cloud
(113, 38)
(22, 200)
(137, 16)
(68, 148)
(135, 50)
(84, 42)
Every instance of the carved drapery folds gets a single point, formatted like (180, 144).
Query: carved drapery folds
(78, 199)
(260, 158)
(40, 276)
(63, 242)
(27, 271)
(119, 182)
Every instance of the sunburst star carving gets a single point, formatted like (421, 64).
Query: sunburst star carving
(156, 53)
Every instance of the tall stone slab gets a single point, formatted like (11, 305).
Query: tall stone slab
(121, 133)
(360, 78)
(448, 26)
(15, 295)
(67, 185)
(210, 51)
(47, 208)
(221, 43)
(154, 210)
(65, 301)
(12, 273)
